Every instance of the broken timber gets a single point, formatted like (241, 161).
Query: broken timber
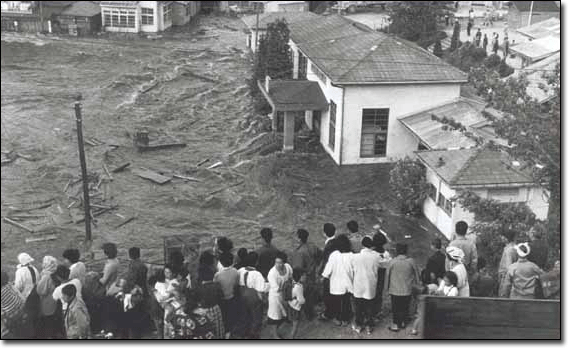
(21, 226)
(41, 238)
(222, 189)
(128, 220)
(121, 168)
(150, 175)
(192, 179)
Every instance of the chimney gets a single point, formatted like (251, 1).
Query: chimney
(267, 80)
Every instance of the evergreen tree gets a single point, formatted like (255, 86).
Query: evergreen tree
(417, 20)
(438, 49)
(273, 56)
(454, 40)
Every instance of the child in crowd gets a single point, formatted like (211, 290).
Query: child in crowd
(449, 288)
(298, 300)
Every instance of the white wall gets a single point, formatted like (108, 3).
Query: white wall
(402, 100)
(534, 197)
(286, 6)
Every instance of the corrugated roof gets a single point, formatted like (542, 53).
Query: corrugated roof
(539, 48)
(538, 6)
(82, 9)
(266, 18)
(535, 76)
(351, 53)
(474, 167)
(296, 95)
(551, 26)
(465, 111)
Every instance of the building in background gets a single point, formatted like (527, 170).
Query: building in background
(80, 18)
(183, 12)
(286, 6)
(31, 16)
(136, 16)
(519, 12)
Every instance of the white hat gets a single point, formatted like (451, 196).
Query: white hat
(455, 253)
(24, 259)
(523, 249)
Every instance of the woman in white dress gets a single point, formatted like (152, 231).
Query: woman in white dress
(279, 274)
(455, 256)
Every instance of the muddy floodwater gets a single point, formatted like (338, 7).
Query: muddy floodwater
(190, 86)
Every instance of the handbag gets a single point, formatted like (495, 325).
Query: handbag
(33, 302)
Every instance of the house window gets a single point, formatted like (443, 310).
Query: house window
(302, 66)
(147, 16)
(504, 194)
(167, 13)
(432, 192)
(374, 132)
(319, 73)
(119, 18)
(332, 126)
(445, 204)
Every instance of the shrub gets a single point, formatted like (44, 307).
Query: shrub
(467, 56)
(493, 61)
(438, 49)
(408, 183)
(504, 69)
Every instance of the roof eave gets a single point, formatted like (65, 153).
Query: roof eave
(491, 185)
(407, 82)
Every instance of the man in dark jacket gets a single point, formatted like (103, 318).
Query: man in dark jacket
(307, 257)
(267, 253)
(435, 269)
(539, 250)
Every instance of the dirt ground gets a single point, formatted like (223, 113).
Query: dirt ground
(189, 85)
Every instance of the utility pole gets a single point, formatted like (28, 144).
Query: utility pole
(41, 16)
(257, 31)
(86, 203)
(530, 13)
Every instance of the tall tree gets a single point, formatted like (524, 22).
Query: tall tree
(455, 39)
(534, 134)
(417, 20)
(273, 56)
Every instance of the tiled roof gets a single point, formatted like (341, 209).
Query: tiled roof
(536, 77)
(538, 6)
(465, 111)
(351, 53)
(474, 167)
(545, 28)
(539, 48)
(56, 3)
(266, 18)
(296, 95)
(82, 9)
(325, 28)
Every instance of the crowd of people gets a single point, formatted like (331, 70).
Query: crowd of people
(235, 296)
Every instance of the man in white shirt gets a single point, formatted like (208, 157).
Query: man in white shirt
(251, 278)
(23, 281)
(366, 266)
(340, 273)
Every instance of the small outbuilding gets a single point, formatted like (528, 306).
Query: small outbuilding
(81, 18)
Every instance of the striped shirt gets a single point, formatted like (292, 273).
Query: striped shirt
(12, 302)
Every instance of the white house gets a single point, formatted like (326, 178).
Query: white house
(370, 80)
(489, 174)
(286, 6)
(136, 16)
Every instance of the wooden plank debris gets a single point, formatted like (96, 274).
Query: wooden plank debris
(126, 221)
(151, 175)
(16, 224)
(217, 164)
(202, 162)
(41, 238)
(121, 168)
(191, 179)
(107, 172)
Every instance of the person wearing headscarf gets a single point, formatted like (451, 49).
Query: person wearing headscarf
(521, 278)
(48, 324)
(24, 280)
(455, 257)
(13, 314)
